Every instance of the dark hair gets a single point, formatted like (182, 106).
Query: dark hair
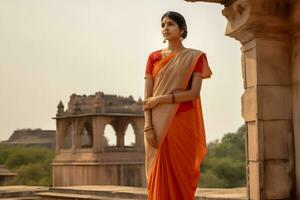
(179, 19)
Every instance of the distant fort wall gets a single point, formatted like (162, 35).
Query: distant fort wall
(32, 137)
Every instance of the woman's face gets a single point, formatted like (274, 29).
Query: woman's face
(170, 29)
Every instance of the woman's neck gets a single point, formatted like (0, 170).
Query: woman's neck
(175, 45)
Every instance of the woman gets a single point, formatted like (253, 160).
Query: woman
(175, 142)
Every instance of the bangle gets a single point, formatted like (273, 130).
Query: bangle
(173, 97)
(148, 128)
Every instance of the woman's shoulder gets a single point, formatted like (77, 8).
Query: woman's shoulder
(155, 55)
(196, 51)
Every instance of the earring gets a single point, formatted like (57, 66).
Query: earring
(164, 41)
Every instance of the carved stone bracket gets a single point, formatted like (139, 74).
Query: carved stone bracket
(223, 2)
(257, 19)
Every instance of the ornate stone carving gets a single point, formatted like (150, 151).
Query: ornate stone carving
(102, 103)
(60, 108)
(224, 2)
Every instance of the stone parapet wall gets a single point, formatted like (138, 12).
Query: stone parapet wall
(100, 103)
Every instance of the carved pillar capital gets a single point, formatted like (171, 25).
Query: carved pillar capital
(223, 2)
(120, 126)
(257, 19)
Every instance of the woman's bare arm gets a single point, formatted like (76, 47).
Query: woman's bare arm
(187, 95)
(148, 93)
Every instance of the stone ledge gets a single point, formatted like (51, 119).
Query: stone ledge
(20, 191)
(55, 195)
(127, 192)
(23, 198)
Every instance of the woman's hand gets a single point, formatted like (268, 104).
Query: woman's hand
(151, 102)
(151, 138)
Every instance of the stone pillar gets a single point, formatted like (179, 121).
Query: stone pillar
(75, 134)
(98, 131)
(62, 126)
(262, 27)
(267, 110)
(58, 137)
(138, 126)
(120, 126)
(88, 126)
(295, 29)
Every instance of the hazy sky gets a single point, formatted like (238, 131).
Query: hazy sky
(50, 49)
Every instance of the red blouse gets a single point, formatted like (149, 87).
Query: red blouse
(155, 56)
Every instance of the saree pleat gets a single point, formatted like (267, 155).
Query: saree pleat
(173, 169)
(175, 175)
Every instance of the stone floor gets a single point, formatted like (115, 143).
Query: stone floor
(125, 192)
(107, 192)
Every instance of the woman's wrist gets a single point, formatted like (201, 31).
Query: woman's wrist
(147, 124)
(165, 98)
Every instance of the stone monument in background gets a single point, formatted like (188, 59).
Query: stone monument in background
(88, 160)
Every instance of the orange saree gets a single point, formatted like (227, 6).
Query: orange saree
(173, 169)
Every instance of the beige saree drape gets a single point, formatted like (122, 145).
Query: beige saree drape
(173, 76)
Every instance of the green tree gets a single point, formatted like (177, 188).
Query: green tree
(225, 164)
(32, 164)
